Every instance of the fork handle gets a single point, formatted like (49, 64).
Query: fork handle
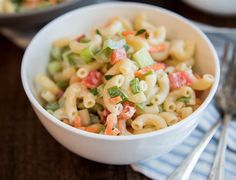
(217, 171)
(183, 172)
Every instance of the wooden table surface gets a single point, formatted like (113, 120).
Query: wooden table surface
(27, 151)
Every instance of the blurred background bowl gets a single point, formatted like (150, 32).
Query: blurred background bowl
(34, 18)
(217, 7)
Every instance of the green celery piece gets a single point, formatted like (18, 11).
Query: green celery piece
(87, 55)
(143, 58)
(54, 67)
(184, 99)
(135, 86)
(103, 55)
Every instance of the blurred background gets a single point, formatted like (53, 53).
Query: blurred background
(19, 23)
(27, 151)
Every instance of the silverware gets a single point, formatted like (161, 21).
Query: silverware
(183, 172)
(225, 98)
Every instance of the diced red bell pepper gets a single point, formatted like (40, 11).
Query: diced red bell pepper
(93, 80)
(179, 79)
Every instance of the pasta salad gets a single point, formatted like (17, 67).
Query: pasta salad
(125, 78)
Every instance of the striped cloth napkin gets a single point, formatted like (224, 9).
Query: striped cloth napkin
(160, 168)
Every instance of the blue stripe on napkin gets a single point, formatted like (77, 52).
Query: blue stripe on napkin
(161, 167)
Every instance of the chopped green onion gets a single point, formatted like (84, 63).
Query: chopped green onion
(94, 91)
(147, 35)
(52, 106)
(87, 55)
(140, 105)
(126, 47)
(98, 32)
(114, 44)
(103, 55)
(54, 67)
(135, 86)
(184, 99)
(147, 74)
(116, 91)
(141, 31)
(108, 77)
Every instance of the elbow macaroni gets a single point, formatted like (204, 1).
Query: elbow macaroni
(108, 90)
(164, 88)
(182, 50)
(170, 102)
(148, 120)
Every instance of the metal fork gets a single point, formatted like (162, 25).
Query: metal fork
(226, 101)
(227, 105)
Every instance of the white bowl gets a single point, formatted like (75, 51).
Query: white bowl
(218, 7)
(110, 149)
